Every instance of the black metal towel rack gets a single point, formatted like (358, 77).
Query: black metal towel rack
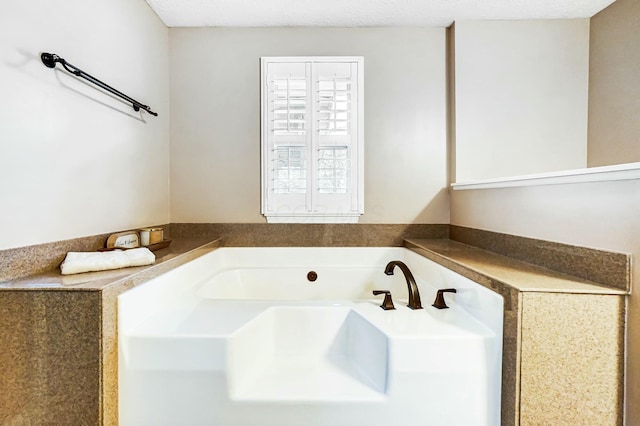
(50, 60)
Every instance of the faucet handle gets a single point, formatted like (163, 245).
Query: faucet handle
(439, 302)
(387, 303)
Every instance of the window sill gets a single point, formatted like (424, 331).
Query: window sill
(352, 218)
(594, 174)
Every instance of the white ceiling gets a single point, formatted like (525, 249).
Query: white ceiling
(360, 13)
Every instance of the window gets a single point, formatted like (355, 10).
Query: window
(312, 139)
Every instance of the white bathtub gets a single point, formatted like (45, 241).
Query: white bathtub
(242, 337)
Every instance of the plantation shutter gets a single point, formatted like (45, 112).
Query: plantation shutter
(337, 148)
(288, 137)
(312, 139)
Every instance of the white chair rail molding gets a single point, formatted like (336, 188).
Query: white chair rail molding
(594, 174)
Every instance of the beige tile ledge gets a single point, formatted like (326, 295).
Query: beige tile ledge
(180, 251)
(71, 323)
(470, 261)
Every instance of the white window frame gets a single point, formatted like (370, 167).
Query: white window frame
(303, 208)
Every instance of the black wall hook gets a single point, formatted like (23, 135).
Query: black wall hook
(51, 59)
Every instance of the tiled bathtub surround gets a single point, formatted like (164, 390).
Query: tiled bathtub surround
(30, 260)
(23, 261)
(606, 268)
(603, 267)
(59, 357)
(50, 358)
(309, 235)
(563, 347)
(61, 331)
(571, 359)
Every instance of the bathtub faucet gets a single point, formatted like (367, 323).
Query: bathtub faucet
(414, 294)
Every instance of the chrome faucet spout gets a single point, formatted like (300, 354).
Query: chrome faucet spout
(414, 294)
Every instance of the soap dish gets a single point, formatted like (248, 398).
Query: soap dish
(159, 246)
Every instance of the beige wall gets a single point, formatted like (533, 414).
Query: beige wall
(215, 119)
(521, 91)
(614, 91)
(75, 161)
(601, 215)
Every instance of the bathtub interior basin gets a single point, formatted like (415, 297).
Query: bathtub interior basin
(308, 353)
(241, 335)
(296, 283)
(303, 273)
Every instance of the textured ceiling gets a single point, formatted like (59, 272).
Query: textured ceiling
(360, 13)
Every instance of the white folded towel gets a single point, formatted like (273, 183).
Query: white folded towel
(77, 262)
